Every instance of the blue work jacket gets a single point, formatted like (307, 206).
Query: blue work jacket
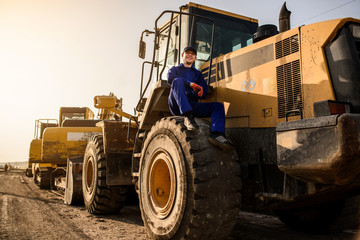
(193, 75)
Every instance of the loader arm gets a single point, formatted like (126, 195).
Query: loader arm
(108, 104)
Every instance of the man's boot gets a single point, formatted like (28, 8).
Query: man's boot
(189, 122)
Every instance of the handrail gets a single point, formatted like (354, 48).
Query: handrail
(129, 127)
(156, 46)
(142, 76)
(38, 122)
(167, 44)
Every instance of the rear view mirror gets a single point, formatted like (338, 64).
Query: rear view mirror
(142, 44)
(142, 49)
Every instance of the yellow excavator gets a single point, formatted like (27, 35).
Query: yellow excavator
(35, 145)
(57, 151)
(40, 151)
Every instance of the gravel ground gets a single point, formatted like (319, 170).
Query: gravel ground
(30, 213)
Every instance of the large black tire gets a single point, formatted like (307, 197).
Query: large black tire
(42, 178)
(314, 219)
(28, 172)
(188, 188)
(99, 198)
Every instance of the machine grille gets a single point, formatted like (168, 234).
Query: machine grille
(289, 88)
(287, 46)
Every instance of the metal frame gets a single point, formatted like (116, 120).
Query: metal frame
(156, 47)
(38, 122)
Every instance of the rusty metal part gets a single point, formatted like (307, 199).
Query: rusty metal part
(325, 152)
(272, 201)
(118, 151)
(58, 179)
(73, 190)
(284, 19)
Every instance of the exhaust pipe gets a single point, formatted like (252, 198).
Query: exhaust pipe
(284, 19)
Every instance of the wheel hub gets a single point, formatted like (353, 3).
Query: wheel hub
(89, 181)
(162, 184)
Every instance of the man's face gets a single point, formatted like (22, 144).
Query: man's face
(188, 57)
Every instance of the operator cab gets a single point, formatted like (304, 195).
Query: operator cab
(211, 31)
(232, 32)
(74, 113)
(196, 25)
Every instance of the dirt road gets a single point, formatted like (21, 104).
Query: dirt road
(30, 213)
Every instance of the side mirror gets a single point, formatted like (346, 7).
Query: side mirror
(142, 49)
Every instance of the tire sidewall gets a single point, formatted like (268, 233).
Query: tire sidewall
(89, 157)
(35, 176)
(163, 140)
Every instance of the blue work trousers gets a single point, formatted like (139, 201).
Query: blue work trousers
(179, 104)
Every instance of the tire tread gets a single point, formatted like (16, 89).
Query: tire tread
(107, 199)
(214, 180)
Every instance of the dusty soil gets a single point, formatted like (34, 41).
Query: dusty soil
(30, 213)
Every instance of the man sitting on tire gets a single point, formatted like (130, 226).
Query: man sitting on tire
(187, 87)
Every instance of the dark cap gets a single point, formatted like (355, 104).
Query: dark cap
(190, 48)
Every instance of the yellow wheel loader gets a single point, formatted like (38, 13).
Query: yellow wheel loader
(292, 111)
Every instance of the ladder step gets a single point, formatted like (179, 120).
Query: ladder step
(137, 155)
(135, 174)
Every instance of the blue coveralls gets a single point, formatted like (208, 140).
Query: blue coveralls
(183, 98)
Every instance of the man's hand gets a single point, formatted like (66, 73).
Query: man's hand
(197, 89)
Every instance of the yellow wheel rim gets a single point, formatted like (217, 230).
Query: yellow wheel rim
(89, 174)
(161, 184)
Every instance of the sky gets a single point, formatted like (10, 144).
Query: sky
(57, 53)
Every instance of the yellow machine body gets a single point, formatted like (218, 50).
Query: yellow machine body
(258, 84)
(58, 143)
(58, 149)
(279, 79)
(109, 106)
(41, 125)
(251, 81)
(35, 145)
(62, 142)
(35, 151)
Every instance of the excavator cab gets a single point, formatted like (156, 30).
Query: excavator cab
(75, 113)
